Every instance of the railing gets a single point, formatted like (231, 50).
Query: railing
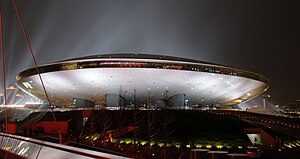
(24, 147)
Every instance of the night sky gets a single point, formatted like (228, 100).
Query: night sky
(262, 36)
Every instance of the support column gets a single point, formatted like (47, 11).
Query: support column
(114, 101)
(176, 101)
(83, 103)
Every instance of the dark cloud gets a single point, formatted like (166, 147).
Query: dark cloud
(260, 36)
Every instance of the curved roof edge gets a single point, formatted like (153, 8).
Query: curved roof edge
(138, 56)
(80, 63)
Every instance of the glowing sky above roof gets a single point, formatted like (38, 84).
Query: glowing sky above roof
(260, 36)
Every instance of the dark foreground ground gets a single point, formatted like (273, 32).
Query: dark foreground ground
(195, 128)
(182, 130)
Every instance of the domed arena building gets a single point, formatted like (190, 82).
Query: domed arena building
(147, 81)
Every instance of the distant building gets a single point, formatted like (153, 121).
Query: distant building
(293, 107)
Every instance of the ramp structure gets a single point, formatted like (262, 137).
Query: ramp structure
(259, 137)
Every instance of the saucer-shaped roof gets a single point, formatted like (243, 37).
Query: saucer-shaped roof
(145, 76)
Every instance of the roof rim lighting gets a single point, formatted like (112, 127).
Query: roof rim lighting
(131, 62)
